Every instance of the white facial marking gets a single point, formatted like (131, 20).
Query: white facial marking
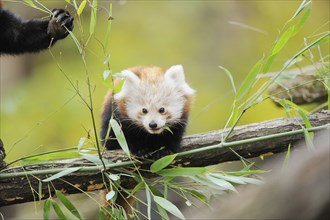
(144, 99)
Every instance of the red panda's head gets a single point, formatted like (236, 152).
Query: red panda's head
(153, 98)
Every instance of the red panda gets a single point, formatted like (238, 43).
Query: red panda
(19, 36)
(152, 108)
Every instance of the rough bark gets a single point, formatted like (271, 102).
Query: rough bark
(302, 86)
(18, 189)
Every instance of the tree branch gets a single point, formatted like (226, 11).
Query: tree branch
(22, 184)
(302, 86)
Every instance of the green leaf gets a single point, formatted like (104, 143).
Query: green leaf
(268, 63)
(287, 156)
(94, 158)
(302, 6)
(198, 195)
(162, 163)
(233, 179)
(251, 180)
(282, 40)
(52, 156)
(236, 179)
(137, 188)
(40, 190)
(162, 212)
(31, 3)
(206, 182)
(249, 80)
(182, 171)
(58, 210)
(106, 74)
(68, 204)
(107, 33)
(230, 78)
(222, 183)
(309, 136)
(302, 21)
(308, 139)
(47, 208)
(93, 16)
(61, 174)
(102, 215)
(245, 172)
(76, 41)
(110, 195)
(114, 177)
(148, 201)
(81, 7)
(120, 136)
(81, 143)
(168, 206)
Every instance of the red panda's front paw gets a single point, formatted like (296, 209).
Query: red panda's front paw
(60, 21)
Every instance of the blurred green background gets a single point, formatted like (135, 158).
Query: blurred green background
(41, 111)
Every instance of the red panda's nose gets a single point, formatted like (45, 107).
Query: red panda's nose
(153, 125)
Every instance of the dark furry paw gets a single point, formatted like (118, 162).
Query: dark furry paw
(58, 20)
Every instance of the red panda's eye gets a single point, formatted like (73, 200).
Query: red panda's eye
(144, 111)
(161, 110)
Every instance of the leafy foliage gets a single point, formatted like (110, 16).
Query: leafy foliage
(199, 183)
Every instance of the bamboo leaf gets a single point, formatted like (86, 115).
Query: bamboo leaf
(162, 163)
(148, 201)
(249, 80)
(92, 158)
(245, 172)
(282, 40)
(168, 206)
(47, 209)
(162, 212)
(61, 174)
(302, 6)
(120, 136)
(40, 190)
(93, 16)
(222, 183)
(68, 204)
(251, 180)
(106, 74)
(81, 143)
(107, 33)
(287, 157)
(58, 210)
(236, 179)
(230, 76)
(113, 177)
(302, 21)
(31, 3)
(76, 41)
(233, 179)
(110, 195)
(102, 215)
(198, 195)
(268, 63)
(137, 188)
(182, 171)
(81, 7)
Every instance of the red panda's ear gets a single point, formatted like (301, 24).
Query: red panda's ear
(175, 75)
(130, 77)
(131, 81)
